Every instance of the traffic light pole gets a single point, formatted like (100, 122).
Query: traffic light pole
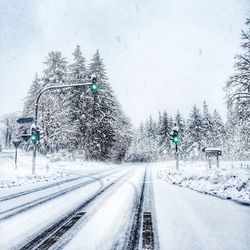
(16, 158)
(36, 113)
(177, 156)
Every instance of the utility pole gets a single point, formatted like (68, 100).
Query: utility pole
(177, 156)
(94, 86)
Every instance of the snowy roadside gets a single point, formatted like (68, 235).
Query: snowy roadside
(13, 178)
(47, 172)
(223, 183)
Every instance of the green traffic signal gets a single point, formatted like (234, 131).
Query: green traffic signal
(33, 138)
(94, 86)
(175, 139)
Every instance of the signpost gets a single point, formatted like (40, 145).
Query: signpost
(213, 152)
(16, 144)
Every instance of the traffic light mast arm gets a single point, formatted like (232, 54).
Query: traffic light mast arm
(52, 88)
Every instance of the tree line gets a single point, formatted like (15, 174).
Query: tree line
(200, 130)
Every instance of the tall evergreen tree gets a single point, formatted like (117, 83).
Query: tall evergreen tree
(238, 93)
(207, 127)
(77, 99)
(30, 100)
(106, 116)
(181, 124)
(218, 130)
(54, 113)
(194, 133)
(164, 136)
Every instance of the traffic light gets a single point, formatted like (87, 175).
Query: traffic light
(34, 135)
(94, 84)
(176, 139)
(175, 136)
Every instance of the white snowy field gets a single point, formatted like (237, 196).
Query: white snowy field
(230, 181)
(182, 218)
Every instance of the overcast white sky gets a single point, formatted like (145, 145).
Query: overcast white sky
(160, 54)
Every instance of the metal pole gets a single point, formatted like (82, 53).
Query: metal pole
(177, 157)
(209, 162)
(34, 160)
(16, 158)
(217, 161)
(34, 145)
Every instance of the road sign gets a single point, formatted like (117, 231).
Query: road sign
(26, 136)
(25, 120)
(213, 151)
(16, 143)
(210, 152)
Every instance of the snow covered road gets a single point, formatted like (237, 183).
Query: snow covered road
(17, 230)
(125, 207)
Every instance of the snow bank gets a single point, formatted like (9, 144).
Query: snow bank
(220, 183)
(46, 171)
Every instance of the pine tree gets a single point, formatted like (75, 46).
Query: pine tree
(207, 127)
(164, 136)
(54, 113)
(238, 93)
(30, 100)
(194, 133)
(105, 117)
(180, 123)
(218, 131)
(122, 140)
(77, 100)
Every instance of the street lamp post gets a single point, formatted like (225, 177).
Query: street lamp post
(93, 83)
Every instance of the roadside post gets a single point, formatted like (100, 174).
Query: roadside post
(16, 144)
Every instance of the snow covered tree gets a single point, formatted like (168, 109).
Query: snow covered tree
(164, 131)
(150, 139)
(194, 133)
(54, 114)
(122, 140)
(207, 127)
(181, 124)
(218, 130)
(104, 116)
(30, 100)
(138, 150)
(77, 99)
(238, 93)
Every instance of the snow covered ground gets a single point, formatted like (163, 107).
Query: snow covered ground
(12, 180)
(182, 218)
(230, 181)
